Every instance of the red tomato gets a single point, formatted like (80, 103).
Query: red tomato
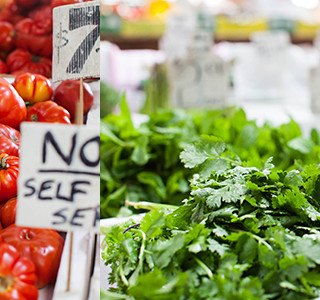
(18, 277)
(43, 21)
(9, 140)
(12, 108)
(26, 3)
(33, 88)
(9, 171)
(48, 112)
(43, 246)
(9, 11)
(56, 3)
(33, 12)
(33, 38)
(21, 60)
(7, 34)
(3, 67)
(67, 94)
(8, 212)
(5, 10)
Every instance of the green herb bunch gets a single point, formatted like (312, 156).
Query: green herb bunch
(141, 163)
(243, 233)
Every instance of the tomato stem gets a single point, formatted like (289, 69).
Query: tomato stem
(3, 164)
(5, 282)
(35, 58)
(34, 118)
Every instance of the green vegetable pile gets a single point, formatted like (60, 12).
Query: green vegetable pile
(142, 163)
(244, 232)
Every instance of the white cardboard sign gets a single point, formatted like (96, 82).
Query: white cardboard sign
(76, 41)
(59, 179)
(201, 82)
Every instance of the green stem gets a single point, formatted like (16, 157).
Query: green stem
(262, 241)
(229, 160)
(150, 205)
(122, 276)
(139, 269)
(204, 267)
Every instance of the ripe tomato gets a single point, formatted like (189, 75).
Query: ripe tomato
(35, 35)
(8, 212)
(12, 108)
(48, 112)
(9, 140)
(67, 94)
(56, 3)
(26, 3)
(33, 88)
(43, 246)
(18, 277)
(9, 11)
(9, 171)
(3, 67)
(7, 42)
(21, 60)
(43, 21)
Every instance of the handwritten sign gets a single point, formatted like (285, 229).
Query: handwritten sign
(59, 180)
(76, 41)
(198, 82)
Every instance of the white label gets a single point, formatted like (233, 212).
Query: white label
(199, 82)
(59, 179)
(201, 43)
(271, 45)
(76, 41)
(315, 90)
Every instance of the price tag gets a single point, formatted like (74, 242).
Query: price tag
(76, 41)
(59, 179)
(199, 82)
(270, 45)
(315, 90)
(201, 43)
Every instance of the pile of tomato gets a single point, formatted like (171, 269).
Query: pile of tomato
(26, 35)
(29, 257)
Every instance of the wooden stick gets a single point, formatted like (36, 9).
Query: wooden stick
(79, 106)
(79, 121)
(70, 261)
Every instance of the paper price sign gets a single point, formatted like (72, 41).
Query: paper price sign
(76, 41)
(59, 179)
(199, 82)
(315, 90)
(270, 45)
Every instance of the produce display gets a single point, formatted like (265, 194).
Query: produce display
(26, 35)
(248, 225)
(142, 164)
(35, 253)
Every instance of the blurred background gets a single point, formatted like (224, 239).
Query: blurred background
(262, 55)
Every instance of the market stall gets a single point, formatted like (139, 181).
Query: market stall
(42, 255)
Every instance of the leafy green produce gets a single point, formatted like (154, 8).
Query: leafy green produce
(243, 233)
(109, 98)
(142, 163)
(157, 90)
